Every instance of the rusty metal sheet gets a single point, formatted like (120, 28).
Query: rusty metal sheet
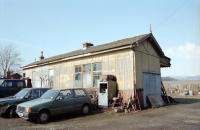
(156, 100)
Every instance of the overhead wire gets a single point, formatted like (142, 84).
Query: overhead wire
(172, 14)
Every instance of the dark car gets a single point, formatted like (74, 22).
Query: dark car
(9, 87)
(8, 105)
(55, 102)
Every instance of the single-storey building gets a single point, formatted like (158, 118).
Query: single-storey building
(134, 61)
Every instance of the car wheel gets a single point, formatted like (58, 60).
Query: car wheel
(85, 109)
(43, 117)
(11, 112)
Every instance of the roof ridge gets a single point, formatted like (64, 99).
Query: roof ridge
(125, 38)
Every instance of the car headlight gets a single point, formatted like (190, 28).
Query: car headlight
(28, 109)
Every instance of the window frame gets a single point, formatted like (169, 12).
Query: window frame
(95, 73)
(69, 94)
(17, 84)
(81, 95)
(78, 72)
(37, 91)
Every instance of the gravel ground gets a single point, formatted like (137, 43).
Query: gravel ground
(182, 116)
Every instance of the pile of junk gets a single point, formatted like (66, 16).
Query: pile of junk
(108, 97)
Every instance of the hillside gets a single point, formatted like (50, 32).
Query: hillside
(175, 78)
(168, 79)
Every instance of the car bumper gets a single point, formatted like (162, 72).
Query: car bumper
(27, 116)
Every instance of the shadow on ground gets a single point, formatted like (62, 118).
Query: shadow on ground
(186, 100)
(73, 115)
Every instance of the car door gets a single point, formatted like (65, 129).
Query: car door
(63, 103)
(80, 98)
(68, 101)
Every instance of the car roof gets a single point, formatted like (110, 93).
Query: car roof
(67, 89)
(14, 79)
(37, 88)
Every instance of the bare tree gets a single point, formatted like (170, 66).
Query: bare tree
(9, 59)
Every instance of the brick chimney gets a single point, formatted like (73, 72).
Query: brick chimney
(42, 56)
(86, 45)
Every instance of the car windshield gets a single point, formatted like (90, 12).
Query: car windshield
(22, 93)
(50, 94)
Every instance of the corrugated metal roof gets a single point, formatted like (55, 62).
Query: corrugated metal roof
(98, 48)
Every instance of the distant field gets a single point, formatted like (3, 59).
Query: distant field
(182, 87)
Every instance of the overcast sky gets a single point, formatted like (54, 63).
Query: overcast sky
(60, 26)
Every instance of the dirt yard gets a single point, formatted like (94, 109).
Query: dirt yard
(182, 116)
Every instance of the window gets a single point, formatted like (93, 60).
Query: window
(36, 79)
(65, 93)
(88, 75)
(79, 93)
(35, 93)
(20, 83)
(78, 76)
(103, 87)
(42, 91)
(51, 76)
(8, 84)
(97, 68)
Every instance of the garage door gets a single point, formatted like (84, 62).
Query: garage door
(152, 85)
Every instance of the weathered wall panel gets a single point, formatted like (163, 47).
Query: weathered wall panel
(119, 63)
(147, 60)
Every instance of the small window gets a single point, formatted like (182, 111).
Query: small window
(103, 88)
(77, 68)
(78, 76)
(35, 93)
(97, 68)
(20, 84)
(79, 93)
(87, 75)
(8, 84)
(87, 68)
(65, 93)
(42, 91)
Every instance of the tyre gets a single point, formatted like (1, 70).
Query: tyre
(43, 117)
(85, 109)
(11, 112)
